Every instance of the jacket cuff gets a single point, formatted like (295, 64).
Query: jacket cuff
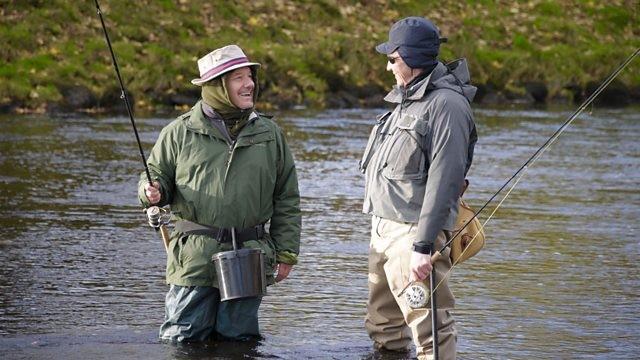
(422, 249)
(287, 257)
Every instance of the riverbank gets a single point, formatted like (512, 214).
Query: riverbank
(314, 54)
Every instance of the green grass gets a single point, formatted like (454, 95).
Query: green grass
(309, 49)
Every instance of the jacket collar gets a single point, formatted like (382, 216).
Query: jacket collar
(419, 90)
(198, 122)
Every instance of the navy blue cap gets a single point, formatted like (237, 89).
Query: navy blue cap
(416, 39)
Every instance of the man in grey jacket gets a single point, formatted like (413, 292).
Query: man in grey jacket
(415, 164)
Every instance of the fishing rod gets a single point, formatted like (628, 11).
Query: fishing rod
(158, 217)
(417, 296)
(123, 94)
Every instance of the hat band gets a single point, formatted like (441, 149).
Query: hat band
(224, 66)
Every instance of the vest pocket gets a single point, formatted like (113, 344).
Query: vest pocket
(405, 159)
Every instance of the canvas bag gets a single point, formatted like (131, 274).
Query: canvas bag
(471, 239)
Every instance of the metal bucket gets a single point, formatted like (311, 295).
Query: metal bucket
(240, 273)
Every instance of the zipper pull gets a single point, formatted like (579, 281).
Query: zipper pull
(231, 147)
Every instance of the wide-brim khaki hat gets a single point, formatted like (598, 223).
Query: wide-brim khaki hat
(221, 61)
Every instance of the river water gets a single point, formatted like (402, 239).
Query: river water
(81, 275)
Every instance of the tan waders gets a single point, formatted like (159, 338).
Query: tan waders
(390, 322)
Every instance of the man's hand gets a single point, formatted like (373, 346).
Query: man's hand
(153, 192)
(420, 266)
(283, 271)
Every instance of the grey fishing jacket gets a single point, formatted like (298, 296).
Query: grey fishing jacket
(418, 155)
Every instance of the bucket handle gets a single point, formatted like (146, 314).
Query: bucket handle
(233, 239)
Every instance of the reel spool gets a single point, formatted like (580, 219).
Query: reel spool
(158, 216)
(417, 295)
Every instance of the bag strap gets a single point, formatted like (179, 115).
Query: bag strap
(465, 185)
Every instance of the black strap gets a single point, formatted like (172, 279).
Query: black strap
(221, 234)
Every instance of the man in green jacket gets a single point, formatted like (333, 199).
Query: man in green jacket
(415, 165)
(222, 166)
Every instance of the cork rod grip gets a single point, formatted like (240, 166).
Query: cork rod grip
(165, 236)
(436, 255)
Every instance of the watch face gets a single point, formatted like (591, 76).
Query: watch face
(417, 296)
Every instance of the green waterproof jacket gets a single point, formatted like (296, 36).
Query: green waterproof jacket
(213, 181)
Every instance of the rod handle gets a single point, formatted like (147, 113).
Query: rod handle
(164, 232)
(435, 256)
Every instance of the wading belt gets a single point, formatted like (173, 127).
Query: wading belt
(221, 234)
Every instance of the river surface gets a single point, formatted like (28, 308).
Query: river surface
(82, 276)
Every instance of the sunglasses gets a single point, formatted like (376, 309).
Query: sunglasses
(392, 60)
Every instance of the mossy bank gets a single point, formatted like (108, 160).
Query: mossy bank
(314, 53)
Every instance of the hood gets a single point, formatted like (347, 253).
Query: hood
(454, 76)
(457, 79)
(197, 121)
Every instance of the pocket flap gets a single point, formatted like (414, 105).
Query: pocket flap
(383, 117)
(412, 123)
(255, 139)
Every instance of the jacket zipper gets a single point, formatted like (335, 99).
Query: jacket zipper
(232, 147)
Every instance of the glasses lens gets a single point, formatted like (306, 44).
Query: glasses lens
(392, 60)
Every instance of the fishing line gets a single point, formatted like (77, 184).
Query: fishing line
(123, 93)
(521, 171)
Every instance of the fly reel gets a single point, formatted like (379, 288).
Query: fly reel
(417, 295)
(159, 219)
(158, 216)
